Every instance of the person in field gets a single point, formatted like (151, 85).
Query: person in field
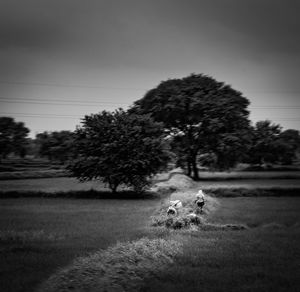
(174, 207)
(200, 201)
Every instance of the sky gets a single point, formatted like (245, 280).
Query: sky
(63, 59)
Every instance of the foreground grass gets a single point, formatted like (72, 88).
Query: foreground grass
(263, 258)
(122, 267)
(39, 235)
(234, 261)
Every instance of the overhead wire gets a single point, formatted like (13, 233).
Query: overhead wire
(79, 116)
(54, 84)
(70, 85)
(62, 101)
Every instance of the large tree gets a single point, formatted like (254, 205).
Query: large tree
(205, 115)
(119, 148)
(13, 137)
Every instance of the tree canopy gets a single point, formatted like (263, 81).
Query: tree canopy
(56, 145)
(264, 147)
(290, 139)
(269, 144)
(12, 137)
(119, 148)
(203, 114)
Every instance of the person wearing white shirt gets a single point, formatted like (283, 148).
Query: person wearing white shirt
(200, 201)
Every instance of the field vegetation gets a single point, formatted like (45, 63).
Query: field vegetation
(24, 168)
(264, 257)
(39, 236)
(69, 184)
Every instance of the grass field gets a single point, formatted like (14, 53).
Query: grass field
(265, 257)
(38, 236)
(66, 184)
(18, 168)
(62, 184)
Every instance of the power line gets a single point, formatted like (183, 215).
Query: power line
(70, 85)
(43, 115)
(24, 99)
(94, 102)
(121, 88)
(80, 116)
(68, 103)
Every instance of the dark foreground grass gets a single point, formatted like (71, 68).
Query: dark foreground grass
(265, 257)
(234, 261)
(122, 267)
(39, 235)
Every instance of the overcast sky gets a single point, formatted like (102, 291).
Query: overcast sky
(62, 59)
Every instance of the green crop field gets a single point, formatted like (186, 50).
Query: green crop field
(59, 184)
(38, 236)
(264, 257)
(66, 184)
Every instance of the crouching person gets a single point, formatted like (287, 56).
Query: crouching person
(200, 201)
(174, 207)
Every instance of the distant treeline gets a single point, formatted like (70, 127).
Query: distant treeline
(196, 120)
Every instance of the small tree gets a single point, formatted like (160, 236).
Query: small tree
(119, 148)
(12, 137)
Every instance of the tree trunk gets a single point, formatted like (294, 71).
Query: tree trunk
(189, 167)
(113, 187)
(195, 168)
